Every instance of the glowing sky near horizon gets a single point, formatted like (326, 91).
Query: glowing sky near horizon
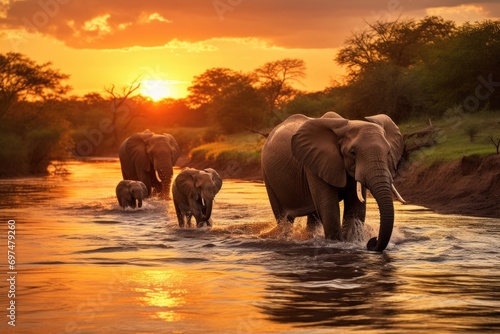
(166, 43)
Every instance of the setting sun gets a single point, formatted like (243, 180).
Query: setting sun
(156, 89)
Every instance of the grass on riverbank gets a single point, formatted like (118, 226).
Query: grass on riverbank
(454, 136)
(235, 156)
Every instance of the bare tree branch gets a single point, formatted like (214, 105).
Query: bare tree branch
(117, 102)
(495, 142)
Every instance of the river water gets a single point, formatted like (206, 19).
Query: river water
(84, 265)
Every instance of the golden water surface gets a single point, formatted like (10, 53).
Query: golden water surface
(84, 265)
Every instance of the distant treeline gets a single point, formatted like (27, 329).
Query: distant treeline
(404, 68)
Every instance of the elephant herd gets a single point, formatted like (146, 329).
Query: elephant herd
(309, 165)
(147, 161)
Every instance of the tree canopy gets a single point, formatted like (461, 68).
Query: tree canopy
(235, 100)
(399, 43)
(407, 67)
(21, 79)
(276, 79)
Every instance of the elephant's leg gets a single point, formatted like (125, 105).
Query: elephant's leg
(354, 213)
(180, 214)
(312, 222)
(275, 205)
(146, 179)
(326, 202)
(122, 202)
(195, 209)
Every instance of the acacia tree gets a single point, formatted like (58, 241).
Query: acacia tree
(226, 96)
(396, 42)
(212, 83)
(22, 79)
(276, 79)
(239, 107)
(384, 63)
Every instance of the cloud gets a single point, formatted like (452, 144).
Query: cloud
(460, 13)
(157, 17)
(148, 23)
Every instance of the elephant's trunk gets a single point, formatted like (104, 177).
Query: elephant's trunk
(164, 172)
(139, 202)
(382, 193)
(207, 212)
(166, 180)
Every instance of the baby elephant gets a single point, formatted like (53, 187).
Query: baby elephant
(129, 192)
(193, 192)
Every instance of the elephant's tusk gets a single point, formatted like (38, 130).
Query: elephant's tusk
(157, 176)
(359, 191)
(398, 196)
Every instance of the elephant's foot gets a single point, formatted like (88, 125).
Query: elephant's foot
(204, 223)
(313, 225)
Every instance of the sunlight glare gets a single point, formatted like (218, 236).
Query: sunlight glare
(156, 89)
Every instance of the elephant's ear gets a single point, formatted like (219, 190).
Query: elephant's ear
(136, 148)
(185, 181)
(144, 189)
(174, 147)
(215, 177)
(316, 146)
(122, 190)
(393, 136)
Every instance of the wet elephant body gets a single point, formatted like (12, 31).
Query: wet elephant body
(149, 158)
(310, 165)
(193, 194)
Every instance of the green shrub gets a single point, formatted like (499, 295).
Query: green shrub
(41, 145)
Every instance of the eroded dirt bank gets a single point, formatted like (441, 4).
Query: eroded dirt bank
(470, 186)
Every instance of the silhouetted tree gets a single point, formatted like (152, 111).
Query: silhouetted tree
(209, 85)
(395, 42)
(22, 79)
(118, 107)
(276, 79)
(239, 107)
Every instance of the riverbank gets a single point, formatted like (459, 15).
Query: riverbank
(468, 186)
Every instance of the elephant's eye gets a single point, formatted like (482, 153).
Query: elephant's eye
(352, 153)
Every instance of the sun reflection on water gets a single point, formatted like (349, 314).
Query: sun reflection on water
(164, 290)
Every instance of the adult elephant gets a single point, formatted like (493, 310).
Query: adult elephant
(310, 165)
(194, 192)
(149, 158)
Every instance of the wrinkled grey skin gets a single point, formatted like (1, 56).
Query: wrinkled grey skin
(310, 165)
(131, 193)
(193, 193)
(145, 156)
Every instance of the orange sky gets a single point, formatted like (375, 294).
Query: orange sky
(167, 43)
